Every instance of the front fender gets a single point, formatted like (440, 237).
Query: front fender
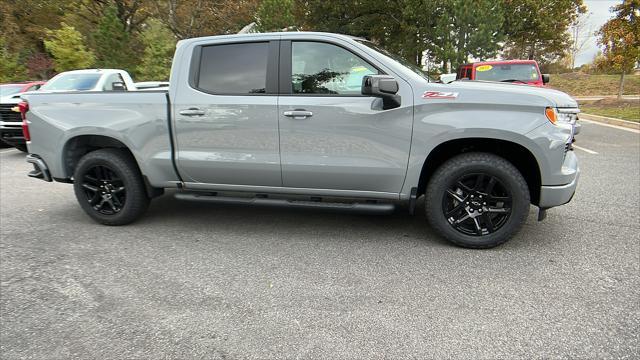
(436, 124)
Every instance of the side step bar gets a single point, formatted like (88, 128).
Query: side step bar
(382, 208)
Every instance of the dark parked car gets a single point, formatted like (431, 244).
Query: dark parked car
(10, 119)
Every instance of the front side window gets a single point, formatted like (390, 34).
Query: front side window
(320, 68)
(234, 68)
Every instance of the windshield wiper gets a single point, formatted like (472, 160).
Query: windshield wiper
(513, 80)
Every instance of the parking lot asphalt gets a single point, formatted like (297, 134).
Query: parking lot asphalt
(195, 280)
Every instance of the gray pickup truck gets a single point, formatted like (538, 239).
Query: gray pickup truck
(312, 120)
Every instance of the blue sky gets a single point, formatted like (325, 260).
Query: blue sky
(598, 11)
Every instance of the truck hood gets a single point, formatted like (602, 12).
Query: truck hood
(11, 99)
(557, 98)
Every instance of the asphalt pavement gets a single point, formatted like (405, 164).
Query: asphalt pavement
(195, 280)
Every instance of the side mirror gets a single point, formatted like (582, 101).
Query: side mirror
(118, 86)
(545, 78)
(382, 86)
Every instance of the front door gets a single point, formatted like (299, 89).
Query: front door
(331, 136)
(226, 120)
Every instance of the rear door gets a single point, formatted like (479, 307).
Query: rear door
(226, 120)
(331, 136)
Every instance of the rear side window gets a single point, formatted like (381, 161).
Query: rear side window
(234, 68)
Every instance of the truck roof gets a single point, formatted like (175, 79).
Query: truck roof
(94, 71)
(268, 34)
(495, 62)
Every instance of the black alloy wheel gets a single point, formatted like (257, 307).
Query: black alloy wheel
(477, 200)
(104, 189)
(110, 187)
(477, 204)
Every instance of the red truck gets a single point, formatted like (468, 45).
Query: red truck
(513, 71)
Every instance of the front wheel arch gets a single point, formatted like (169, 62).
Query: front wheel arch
(518, 155)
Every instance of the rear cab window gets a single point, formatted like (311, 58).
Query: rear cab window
(233, 69)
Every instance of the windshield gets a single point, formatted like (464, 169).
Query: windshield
(6, 90)
(507, 72)
(409, 65)
(72, 82)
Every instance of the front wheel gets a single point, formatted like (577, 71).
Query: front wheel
(477, 200)
(109, 187)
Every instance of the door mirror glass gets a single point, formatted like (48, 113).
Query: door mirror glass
(382, 86)
(545, 78)
(118, 86)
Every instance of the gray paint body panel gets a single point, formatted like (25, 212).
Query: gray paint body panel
(349, 147)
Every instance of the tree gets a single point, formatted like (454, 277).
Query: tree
(274, 15)
(192, 18)
(466, 30)
(159, 45)
(401, 26)
(67, 46)
(10, 67)
(580, 34)
(39, 66)
(130, 13)
(26, 22)
(537, 29)
(620, 39)
(112, 43)
(450, 31)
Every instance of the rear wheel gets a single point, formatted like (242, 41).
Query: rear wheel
(109, 187)
(477, 200)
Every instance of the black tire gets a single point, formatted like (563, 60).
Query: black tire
(22, 147)
(448, 193)
(106, 177)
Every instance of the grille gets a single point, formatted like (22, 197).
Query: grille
(6, 114)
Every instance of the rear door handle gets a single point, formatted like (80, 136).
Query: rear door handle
(192, 112)
(298, 114)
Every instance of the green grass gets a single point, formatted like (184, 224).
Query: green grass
(579, 84)
(625, 110)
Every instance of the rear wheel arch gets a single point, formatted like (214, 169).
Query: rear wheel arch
(77, 147)
(518, 155)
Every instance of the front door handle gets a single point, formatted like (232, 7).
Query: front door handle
(298, 114)
(192, 112)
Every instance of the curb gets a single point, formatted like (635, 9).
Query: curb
(611, 121)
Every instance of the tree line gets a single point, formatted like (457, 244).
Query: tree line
(42, 37)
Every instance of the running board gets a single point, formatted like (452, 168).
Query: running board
(262, 200)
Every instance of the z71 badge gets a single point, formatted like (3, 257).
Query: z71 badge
(439, 95)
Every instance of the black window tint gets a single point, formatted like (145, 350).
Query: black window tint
(234, 68)
(320, 68)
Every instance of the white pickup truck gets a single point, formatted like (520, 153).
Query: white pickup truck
(90, 80)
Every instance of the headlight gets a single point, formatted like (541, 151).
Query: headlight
(568, 115)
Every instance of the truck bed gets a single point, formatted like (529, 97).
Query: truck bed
(139, 120)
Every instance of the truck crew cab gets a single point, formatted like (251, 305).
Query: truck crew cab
(311, 120)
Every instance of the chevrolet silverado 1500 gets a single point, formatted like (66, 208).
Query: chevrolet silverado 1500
(312, 120)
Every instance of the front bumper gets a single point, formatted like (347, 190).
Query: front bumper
(11, 133)
(557, 195)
